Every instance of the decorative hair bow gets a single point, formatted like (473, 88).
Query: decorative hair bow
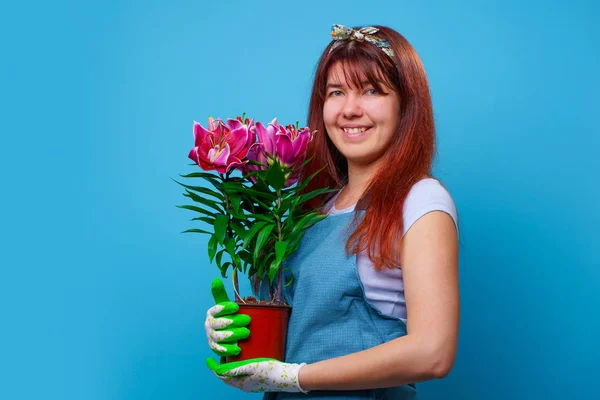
(341, 32)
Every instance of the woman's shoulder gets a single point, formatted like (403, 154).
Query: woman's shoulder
(427, 195)
(429, 189)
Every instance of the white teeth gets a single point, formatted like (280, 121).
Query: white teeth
(354, 130)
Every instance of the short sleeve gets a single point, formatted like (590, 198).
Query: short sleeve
(425, 196)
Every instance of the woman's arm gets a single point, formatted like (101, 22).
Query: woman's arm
(429, 259)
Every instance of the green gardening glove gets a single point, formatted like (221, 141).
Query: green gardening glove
(259, 375)
(224, 327)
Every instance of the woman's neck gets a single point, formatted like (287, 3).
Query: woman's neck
(359, 178)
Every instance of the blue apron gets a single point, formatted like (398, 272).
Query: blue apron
(330, 315)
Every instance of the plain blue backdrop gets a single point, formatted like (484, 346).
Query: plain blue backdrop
(103, 298)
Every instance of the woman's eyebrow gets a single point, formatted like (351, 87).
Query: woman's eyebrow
(377, 82)
(334, 85)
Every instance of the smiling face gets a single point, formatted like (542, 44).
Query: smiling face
(360, 121)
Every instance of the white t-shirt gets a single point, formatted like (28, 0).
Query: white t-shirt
(385, 289)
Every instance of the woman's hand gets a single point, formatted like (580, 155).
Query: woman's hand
(259, 375)
(224, 327)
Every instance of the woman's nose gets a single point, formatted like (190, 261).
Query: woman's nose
(352, 107)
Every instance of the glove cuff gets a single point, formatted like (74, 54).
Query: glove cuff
(298, 378)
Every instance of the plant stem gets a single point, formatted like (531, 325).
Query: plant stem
(279, 280)
(236, 288)
(279, 285)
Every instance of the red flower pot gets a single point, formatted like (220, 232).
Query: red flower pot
(268, 332)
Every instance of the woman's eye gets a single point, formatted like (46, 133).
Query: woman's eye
(335, 93)
(372, 91)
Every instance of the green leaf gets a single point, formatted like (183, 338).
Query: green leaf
(199, 199)
(261, 217)
(212, 248)
(291, 189)
(221, 223)
(294, 241)
(238, 215)
(262, 238)
(307, 180)
(307, 161)
(235, 199)
(261, 184)
(276, 177)
(285, 204)
(280, 248)
(315, 193)
(212, 178)
(272, 273)
(230, 246)
(307, 221)
(196, 231)
(255, 228)
(254, 162)
(267, 195)
(289, 201)
(289, 282)
(246, 256)
(202, 189)
(262, 204)
(205, 175)
(296, 211)
(247, 205)
(219, 257)
(198, 209)
(210, 221)
(263, 263)
(224, 269)
(315, 174)
(238, 229)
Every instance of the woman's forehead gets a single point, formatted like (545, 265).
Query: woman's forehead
(352, 74)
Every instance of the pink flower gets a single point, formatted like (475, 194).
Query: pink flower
(287, 144)
(223, 145)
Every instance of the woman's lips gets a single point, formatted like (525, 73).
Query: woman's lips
(356, 136)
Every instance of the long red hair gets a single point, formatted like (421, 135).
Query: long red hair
(409, 157)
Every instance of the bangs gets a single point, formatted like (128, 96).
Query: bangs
(362, 63)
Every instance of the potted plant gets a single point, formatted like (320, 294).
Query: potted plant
(255, 211)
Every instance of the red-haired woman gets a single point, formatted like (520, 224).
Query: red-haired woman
(375, 296)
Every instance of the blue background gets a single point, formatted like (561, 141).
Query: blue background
(103, 298)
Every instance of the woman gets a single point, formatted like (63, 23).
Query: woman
(375, 295)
